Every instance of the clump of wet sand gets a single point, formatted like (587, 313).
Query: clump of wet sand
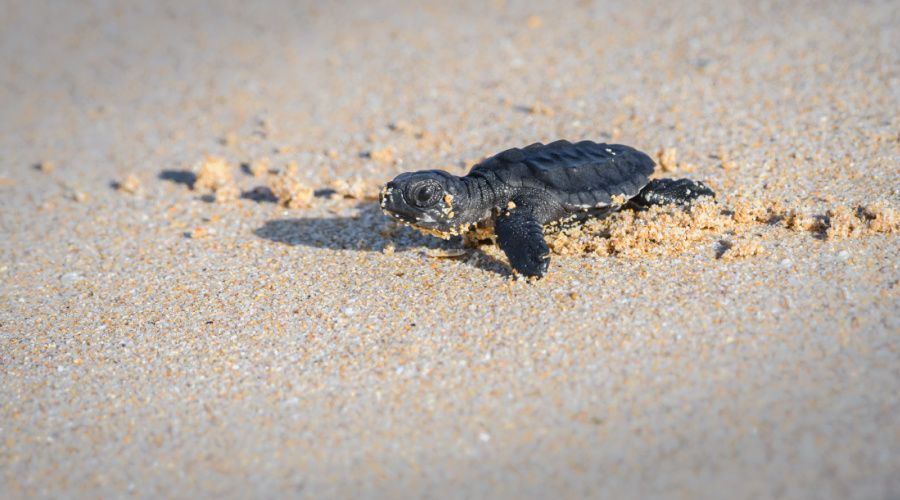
(667, 230)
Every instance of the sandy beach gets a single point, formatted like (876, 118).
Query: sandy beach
(200, 297)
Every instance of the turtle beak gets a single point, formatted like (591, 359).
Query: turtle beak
(386, 196)
(392, 203)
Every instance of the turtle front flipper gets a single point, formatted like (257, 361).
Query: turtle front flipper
(677, 191)
(521, 237)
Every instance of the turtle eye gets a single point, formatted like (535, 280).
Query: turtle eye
(424, 194)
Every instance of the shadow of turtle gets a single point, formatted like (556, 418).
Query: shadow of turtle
(370, 230)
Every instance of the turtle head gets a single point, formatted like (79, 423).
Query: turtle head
(430, 199)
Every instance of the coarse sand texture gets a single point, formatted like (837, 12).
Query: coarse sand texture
(200, 296)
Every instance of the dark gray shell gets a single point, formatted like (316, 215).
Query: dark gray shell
(578, 176)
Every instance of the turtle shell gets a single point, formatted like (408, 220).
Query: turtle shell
(579, 176)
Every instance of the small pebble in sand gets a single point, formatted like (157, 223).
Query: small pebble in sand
(78, 195)
(230, 138)
(70, 277)
(748, 212)
(881, 218)
(131, 185)
(261, 166)
(226, 193)
(356, 188)
(799, 219)
(199, 233)
(290, 191)
(214, 173)
(843, 224)
(741, 249)
(46, 166)
(406, 127)
(539, 108)
(667, 159)
(387, 154)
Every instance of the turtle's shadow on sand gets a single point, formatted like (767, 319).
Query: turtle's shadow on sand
(369, 231)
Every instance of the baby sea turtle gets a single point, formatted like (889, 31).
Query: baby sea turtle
(522, 190)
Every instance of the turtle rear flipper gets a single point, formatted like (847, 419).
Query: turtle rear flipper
(665, 191)
(521, 237)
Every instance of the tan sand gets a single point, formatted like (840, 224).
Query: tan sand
(201, 298)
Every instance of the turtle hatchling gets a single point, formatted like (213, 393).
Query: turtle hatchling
(519, 191)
